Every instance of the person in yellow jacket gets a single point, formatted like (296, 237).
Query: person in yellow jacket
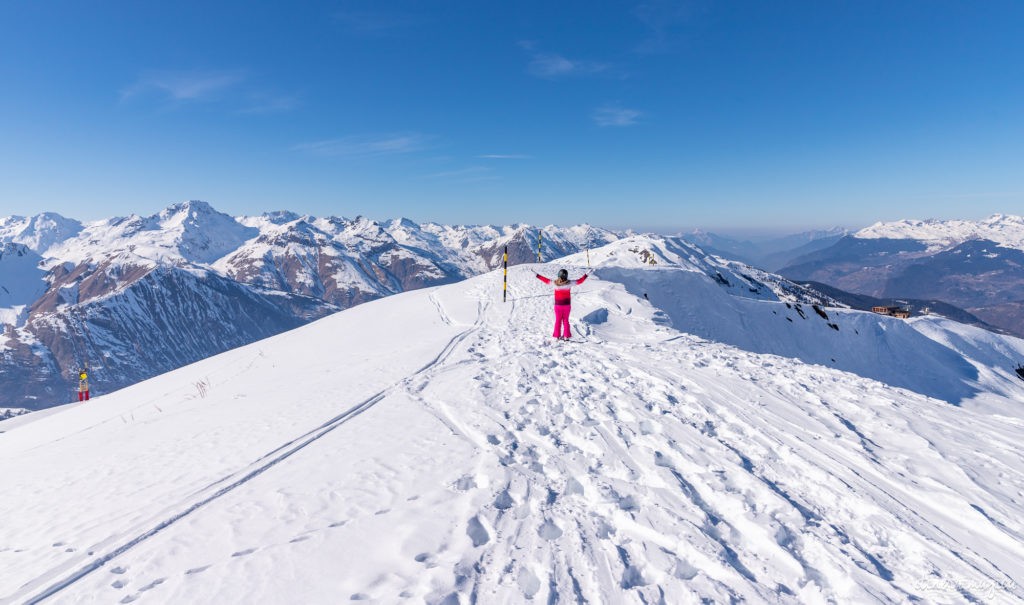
(83, 385)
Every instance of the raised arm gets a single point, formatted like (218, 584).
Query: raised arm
(542, 278)
(582, 279)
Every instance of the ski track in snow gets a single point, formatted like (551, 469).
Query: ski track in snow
(633, 465)
(237, 479)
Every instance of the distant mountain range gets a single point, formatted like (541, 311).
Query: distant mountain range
(975, 265)
(138, 296)
(770, 253)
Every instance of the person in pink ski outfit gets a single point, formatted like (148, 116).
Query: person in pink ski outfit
(563, 301)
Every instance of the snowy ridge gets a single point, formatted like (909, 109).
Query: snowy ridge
(1005, 230)
(101, 290)
(187, 232)
(458, 455)
(39, 233)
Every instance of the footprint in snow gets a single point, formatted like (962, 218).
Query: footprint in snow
(504, 501)
(549, 531)
(428, 560)
(153, 584)
(196, 570)
(298, 539)
(338, 524)
(242, 553)
(528, 582)
(628, 503)
(603, 529)
(119, 570)
(477, 532)
(119, 584)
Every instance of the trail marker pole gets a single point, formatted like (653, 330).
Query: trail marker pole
(540, 236)
(504, 283)
(590, 243)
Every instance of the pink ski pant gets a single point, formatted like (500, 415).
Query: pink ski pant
(562, 321)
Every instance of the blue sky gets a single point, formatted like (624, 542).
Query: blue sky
(733, 116)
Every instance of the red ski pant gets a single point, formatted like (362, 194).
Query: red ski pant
(562, 321)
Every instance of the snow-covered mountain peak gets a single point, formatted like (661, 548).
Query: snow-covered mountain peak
(654, 252)
(646, 262)
(267, 218)
(402, 222)
(39, 232)
(202, 234)
(1005, 230)
(187, 232)
(280, 217)
(638, 251)
(361, 232)
(195, 210)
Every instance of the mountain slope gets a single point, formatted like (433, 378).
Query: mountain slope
(118, 294)
(38, 233)
(21, 282)
(769, 253)
(438, 446)
(975, 265)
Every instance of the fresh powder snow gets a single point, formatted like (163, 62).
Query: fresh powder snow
(694, 442)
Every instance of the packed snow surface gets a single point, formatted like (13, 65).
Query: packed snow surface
(440, 446)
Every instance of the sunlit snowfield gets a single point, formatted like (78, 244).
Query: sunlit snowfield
(702, 442)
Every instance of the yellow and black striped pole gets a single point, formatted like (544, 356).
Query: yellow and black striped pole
(590, 242)
(540, 236)
(504, 284)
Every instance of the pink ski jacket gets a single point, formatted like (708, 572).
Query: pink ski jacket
(563, 294)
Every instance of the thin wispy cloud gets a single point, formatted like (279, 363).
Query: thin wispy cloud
(184, 86)
(613, 115)
(234, 91)
(365, 145)
(553, 65)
